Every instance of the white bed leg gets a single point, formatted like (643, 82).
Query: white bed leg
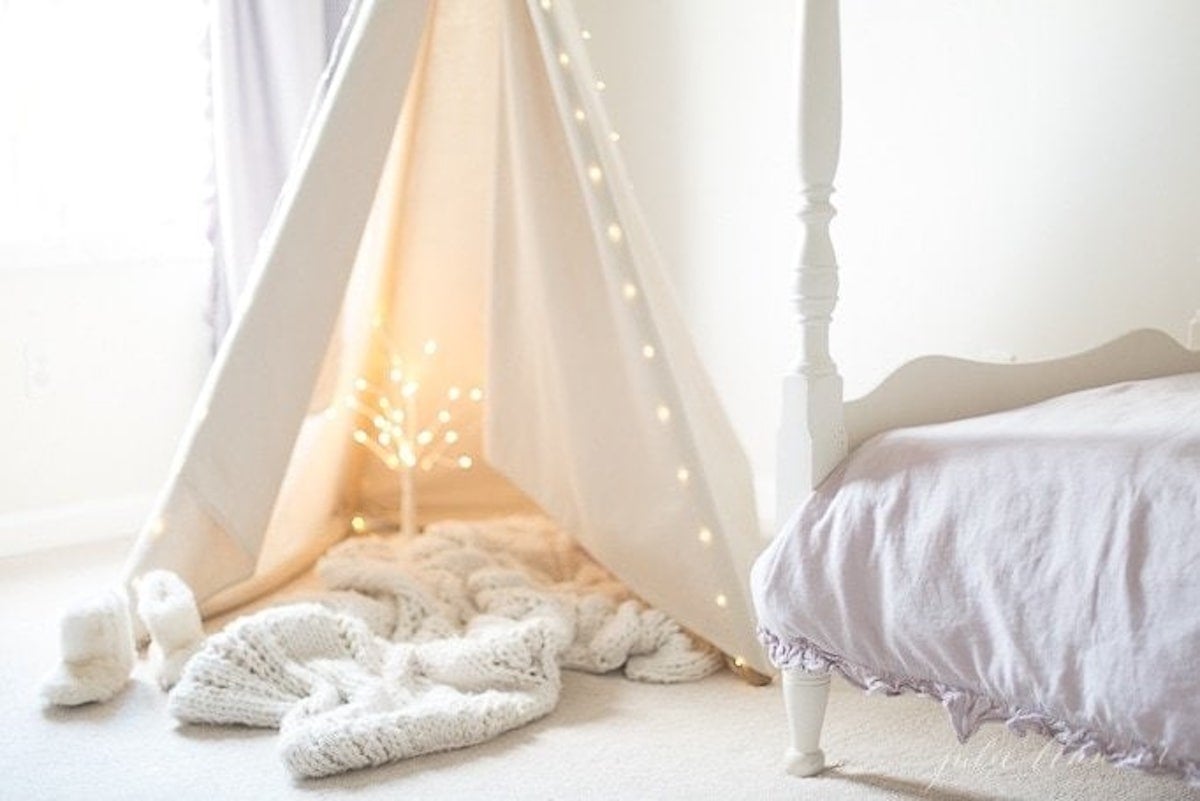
(804, 697)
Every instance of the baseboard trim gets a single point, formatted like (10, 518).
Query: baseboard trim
(72, 524)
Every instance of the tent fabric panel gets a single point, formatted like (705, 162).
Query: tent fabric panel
(243, 431)
(576, 389)
(439, 223)
(724, 468)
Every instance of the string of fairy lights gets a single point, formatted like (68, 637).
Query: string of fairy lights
(688, 474)
(386, 414)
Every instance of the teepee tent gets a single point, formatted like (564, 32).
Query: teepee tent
(459, 226)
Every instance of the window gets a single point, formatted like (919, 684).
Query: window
(104, 161)
(104, 148)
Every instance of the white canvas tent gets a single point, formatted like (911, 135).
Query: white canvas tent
(460, 184)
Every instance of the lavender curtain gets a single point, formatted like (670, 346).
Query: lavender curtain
(267, 62)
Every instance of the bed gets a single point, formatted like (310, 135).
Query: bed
(1021, 543)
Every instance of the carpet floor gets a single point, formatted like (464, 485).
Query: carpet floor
(608, 739)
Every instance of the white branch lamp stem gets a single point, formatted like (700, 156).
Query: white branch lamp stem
(408, 505)
(408, 494)
(812, 437)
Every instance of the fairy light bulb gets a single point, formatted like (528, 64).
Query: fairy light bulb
(454, 393)
(600, 85)
(579, 115)
(358, 524)
(450, 437)
(629, 291)
(683, 475)
(392, 462)
(410, 389)
(648, 351)
(430, 347)
(385, 438)
(547, 5)
(443, 416)
(360, 384)
(361, 437)
(613, 136)
(739, 662)
(564, 59)
(408, 456)
(465, 462)
(722, 601)
(594, 173)
(425, 437)
(395, 375)
(705, 535)
(615, 234)
(157, 527)
(476, 394)
(663, 413)
(585, 35)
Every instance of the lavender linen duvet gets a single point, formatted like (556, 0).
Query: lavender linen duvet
(1039, 566)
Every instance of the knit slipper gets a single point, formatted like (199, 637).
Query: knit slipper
(97, 652)
(168, 608)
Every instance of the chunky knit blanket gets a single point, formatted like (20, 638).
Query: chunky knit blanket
(437, 642)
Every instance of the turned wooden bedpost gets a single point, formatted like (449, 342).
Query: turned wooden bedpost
(812, 437)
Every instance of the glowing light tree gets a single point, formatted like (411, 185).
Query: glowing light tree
(391, 428)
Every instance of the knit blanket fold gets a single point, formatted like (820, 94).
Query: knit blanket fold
(437, 642)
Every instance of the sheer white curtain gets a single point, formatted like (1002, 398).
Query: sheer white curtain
(267, 60)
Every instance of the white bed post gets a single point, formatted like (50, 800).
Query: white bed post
(812, 437)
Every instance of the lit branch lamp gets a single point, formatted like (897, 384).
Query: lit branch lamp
(392, 430)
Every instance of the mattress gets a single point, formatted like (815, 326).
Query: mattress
(1039, 566)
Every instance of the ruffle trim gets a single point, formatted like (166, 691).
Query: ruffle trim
(968, 710)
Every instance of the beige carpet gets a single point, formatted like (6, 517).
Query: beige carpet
(608, 739)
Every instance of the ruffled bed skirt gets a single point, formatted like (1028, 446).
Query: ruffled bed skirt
(968, 710)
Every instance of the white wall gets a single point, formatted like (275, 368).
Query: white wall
(1018, 178)
(702, 94)
(99, 365)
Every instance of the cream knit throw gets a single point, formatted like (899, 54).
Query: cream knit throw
(438, 642)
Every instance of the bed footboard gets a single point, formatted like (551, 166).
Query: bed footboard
(805, 695)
